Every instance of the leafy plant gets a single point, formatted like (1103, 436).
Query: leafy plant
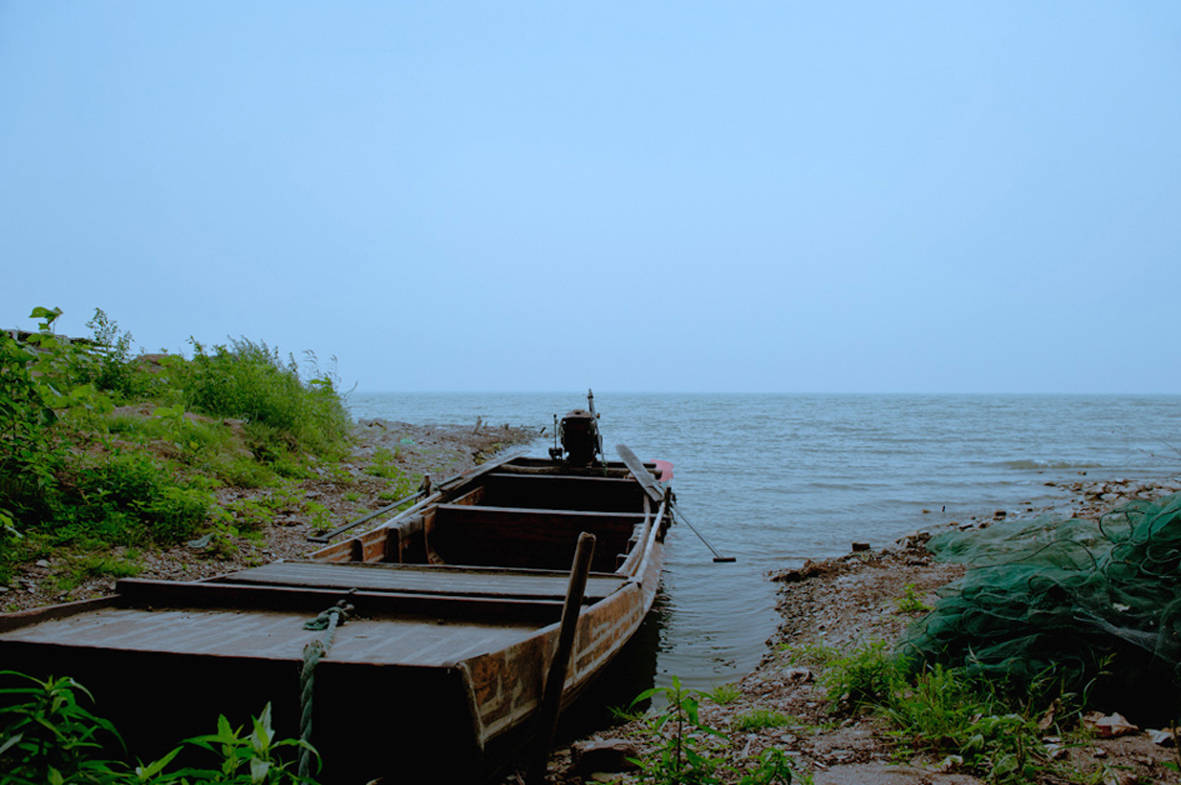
(113, 367)
(865, 677)
(319, 516)
(249, 759)
(723, 694)
(682, 755)
(943, 711)
(29, 454)
(48, 737)
(384, 464)
(910, 602)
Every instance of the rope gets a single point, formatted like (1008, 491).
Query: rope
(313, 652)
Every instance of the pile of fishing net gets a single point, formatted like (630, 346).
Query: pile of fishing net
(1092, 605)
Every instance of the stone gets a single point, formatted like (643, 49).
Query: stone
(799, 675)
(604, 755)
(42, 563)
(1161, 738)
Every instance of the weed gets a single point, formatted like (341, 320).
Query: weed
(758, 719)
(82, 568)
(946, 712)
(285, 498)
(683, 755)
(50, 737)
(221, 541)
(242, 472)
(723, 694)
(680, 757)
(352, 496)
(910, 602)
(865, 677)
(816, 654)
(319, 516)
(251, 515)
(773, 766)
(337, 475)
(384, 464)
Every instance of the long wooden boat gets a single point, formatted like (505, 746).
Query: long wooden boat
(441, 667)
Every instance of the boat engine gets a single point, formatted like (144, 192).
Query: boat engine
(579, 433)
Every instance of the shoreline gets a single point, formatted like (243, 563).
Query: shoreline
(841, 603)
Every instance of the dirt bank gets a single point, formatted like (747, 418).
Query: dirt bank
(401, 453)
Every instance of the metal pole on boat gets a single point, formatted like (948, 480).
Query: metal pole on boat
(717, 556)
(555, 681)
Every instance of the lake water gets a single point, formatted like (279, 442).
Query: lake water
(777, 479)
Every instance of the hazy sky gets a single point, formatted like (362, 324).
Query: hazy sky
(814, 197)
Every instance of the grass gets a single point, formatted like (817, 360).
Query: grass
(910, 602)
(814, 654)
(938, 712)
(99, 449)
(723, 694)
(759, 719)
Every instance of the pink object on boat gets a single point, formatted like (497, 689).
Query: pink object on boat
(666, 470)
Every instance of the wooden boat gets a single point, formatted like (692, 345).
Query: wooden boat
(441, 667)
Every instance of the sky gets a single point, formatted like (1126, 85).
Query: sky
(631, 196)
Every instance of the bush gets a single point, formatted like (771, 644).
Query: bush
(131, 498)
(248, 380)
(29, 455)
(865, 677)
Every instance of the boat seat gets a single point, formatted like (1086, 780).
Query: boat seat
(526, 537)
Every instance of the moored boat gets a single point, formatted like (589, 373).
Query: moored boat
(439, 667)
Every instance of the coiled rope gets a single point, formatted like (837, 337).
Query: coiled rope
(313, 652)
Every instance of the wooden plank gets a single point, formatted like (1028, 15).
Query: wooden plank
(562, 491)
(524, 537)
(137, 592)
(423, 580)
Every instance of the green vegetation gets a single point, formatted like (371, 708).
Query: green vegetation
(758, 719)
(723, 694)
(100, 449)
(685, 756)
(910, 602)
(47, 737)
(991, 729)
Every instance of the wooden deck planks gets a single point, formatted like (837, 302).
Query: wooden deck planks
(422, 579)
(271, 635)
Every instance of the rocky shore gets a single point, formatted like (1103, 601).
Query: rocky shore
(841, 604)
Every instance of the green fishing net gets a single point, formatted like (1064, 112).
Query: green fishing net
(1096, 604)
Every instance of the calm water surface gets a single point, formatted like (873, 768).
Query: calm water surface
(776, 479)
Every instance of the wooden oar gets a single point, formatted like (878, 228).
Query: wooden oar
(648, 483)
